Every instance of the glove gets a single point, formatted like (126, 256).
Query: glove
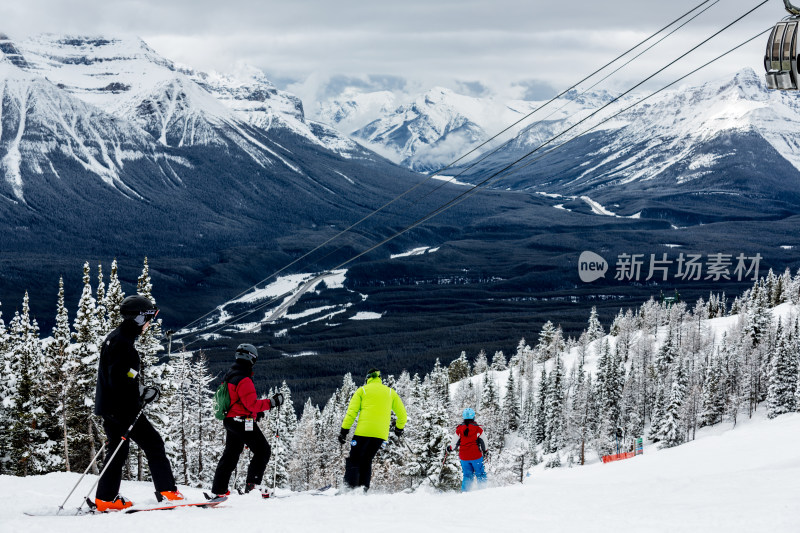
(343, 435)
(150, 395)
(449, 448)
(398, 432)
(260, 416)
(276, 401)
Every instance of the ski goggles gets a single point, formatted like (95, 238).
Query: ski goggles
(146, 316)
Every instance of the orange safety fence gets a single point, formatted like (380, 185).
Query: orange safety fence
(618, 456)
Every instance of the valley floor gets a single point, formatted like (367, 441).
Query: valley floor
(743, 480)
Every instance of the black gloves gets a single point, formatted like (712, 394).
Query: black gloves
(398, 432)
(449, 448)
(343, 435)
(149, 395)
(260, 416)
(276, 401)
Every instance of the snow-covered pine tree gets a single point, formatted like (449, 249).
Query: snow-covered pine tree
(205, 435)
(282, 426)
(594, 330)
(499, 361)
(554, 408)
(59, 372)
(671, 429)
(100, 302)
(480, 365)
(302, 468)
(459, 368)
(713, 403)
(84, 359)
(783, 376)
(490, 414)
(430, 442)
(32, 451)
(114, 297)
(7, 383)
(512, 411)
(540, 416)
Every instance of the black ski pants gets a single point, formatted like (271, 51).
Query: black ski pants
(148, 439)
(358, 467)
(235, 439)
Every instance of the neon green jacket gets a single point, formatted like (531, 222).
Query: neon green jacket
(373, 405)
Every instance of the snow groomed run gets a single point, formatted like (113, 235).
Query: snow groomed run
(727, 480)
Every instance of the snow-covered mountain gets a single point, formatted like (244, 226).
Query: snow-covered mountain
(427, 133)
(725, 137)
(177, 105)
(691, 155)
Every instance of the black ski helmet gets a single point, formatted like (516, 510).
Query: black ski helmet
(247, 352)
(138, 308)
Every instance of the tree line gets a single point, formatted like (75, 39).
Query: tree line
(662, 372)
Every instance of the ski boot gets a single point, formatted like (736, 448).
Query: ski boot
(170, 495)
(118, 504)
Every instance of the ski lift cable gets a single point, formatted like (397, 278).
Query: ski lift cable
(637, 56)
(438, 172)
(463, 196)
(628, 108)
(584, 91)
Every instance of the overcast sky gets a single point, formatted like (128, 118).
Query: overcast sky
(317, 48)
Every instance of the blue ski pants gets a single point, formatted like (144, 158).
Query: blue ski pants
(472, 469)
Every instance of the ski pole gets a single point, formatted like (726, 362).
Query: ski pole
(94, 459)
(154, 393)
(277, 437)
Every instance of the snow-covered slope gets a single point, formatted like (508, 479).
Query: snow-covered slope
(726, 481)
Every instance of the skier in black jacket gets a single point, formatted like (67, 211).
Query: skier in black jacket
(118, 399)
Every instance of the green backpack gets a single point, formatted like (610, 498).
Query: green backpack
(222, 401)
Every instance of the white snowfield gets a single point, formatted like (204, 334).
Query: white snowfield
(743, 480)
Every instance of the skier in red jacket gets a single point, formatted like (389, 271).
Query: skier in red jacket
(471, 449)
(240, 423)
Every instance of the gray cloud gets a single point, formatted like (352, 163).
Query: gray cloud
(505, 47)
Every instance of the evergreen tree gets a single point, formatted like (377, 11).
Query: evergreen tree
(60, 372)
(670, 430)
(713, 403)
(7, 384)
(459, 369)
(511, 407)
(595, 330)
(114, 298)
(783, 377)
(490, 413)
(84, 360)
(302, 467)
(481, 365)
(499, 361)
(554, 409)
(31, 449)
(282, 426)
(540, 416)
(101, 301)
(205, 435)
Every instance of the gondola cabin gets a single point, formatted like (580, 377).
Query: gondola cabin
(780, 60)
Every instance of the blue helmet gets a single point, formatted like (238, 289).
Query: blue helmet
(469, 414)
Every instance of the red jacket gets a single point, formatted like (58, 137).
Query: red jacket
(468, 436)
(244, 400)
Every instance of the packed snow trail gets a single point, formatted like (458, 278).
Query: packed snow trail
(728, 480)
